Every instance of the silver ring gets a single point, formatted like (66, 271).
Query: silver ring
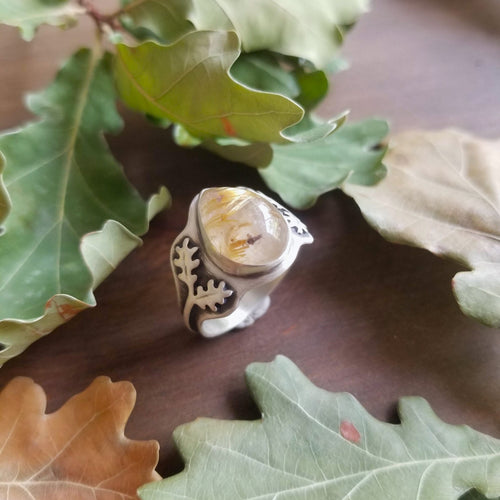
(236, 247)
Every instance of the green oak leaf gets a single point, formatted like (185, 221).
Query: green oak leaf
(73, 215)
(313, 444)
(292, 27)
(160, 20)
(189, 83)
(28, 15)
(271, 72)
(442, 193)
(293, 78)
(300, 173)
(311, 128)
(478, 292)
(313, 87)
(290, 76)
(183, 138)
(263, 71)
(254, 154)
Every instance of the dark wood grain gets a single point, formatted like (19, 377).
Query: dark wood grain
(356, 313)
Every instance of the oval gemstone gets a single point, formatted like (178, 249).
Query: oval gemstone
(242, 226)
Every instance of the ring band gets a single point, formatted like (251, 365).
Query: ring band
(236, 247)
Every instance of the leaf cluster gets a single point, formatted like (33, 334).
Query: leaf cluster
(309, 444)
(264, 70)
(221, 72)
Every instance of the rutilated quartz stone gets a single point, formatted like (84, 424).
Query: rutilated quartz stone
(242, 226)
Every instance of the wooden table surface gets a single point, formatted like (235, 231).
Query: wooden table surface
(355, 313)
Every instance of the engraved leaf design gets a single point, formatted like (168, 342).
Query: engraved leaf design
(442, 193)
(186, 263)
(80, 451)
(311, 444)
(293, 222)
(212, 296)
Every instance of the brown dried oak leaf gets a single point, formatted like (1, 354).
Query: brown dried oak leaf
(79, 452)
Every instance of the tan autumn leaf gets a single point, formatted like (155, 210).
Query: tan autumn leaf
(79, 452)
(442, 193)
